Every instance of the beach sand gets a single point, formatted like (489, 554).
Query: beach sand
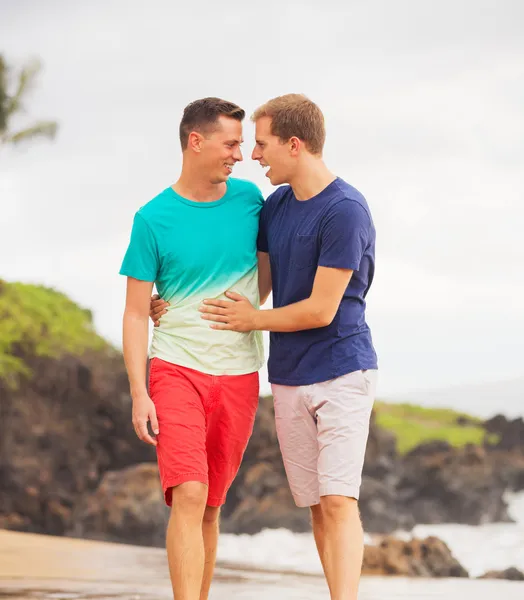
(55, 568)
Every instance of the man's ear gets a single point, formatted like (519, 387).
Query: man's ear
(295, 144)
(195, 141)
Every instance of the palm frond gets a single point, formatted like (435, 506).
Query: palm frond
(46, 129)
(3, 95)
(26, 79)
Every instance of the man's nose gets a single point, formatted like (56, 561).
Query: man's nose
(237, 155)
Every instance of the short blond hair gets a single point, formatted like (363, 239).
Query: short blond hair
(295, 115)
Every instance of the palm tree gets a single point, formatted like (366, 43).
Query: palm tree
(11, 105)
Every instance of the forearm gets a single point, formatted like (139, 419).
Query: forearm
(306, 314)
(135, 344)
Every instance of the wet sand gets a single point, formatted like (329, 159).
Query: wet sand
(53, 568)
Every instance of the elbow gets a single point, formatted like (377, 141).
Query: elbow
(134, 316)
(327, 319)
(321, 318)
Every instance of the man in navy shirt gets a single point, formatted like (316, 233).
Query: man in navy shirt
(316, 246)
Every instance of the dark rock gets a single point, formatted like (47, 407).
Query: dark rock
(128, 506)
(512, 574)
(452, 485)
(429, 449)
(61, 431)
(430, 557)
(380, 509)
(510, 433)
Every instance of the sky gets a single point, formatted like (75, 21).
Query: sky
(424, 107)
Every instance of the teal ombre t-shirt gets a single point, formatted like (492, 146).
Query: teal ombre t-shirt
(197, 250)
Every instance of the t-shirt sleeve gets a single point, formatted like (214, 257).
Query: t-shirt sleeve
(262, 245)
(141, 259)
(344, 236)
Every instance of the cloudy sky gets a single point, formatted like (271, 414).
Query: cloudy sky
(424, 103)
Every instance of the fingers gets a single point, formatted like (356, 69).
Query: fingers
(213, 310)
(143, 433)
(154, 421)
(157, 308)
(216, 318)
(235, 296)
(156, 314)
(217, 326)
(158, 304)
(217, 303)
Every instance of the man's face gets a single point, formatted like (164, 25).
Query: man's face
(271, 152)
(220, 150)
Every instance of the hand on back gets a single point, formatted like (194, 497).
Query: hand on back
(157, 308)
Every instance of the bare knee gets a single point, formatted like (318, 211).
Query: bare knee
(316, 514)
(190, 498)
(211, 514)
(338, 508)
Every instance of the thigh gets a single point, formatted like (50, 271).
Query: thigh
(181, 449)
(230, 419)
(343, 410)
(297, 437)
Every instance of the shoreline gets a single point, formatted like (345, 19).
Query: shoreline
(48, 567)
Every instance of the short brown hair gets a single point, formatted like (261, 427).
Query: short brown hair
(295, 115)
(202, 115)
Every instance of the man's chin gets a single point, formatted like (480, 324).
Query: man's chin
(274, 180)
(220, 179)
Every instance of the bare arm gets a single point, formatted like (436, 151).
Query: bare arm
(318, 310)
(135, 335)
(264, 277)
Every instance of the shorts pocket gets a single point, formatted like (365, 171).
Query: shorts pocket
(151, 376)
(369, 377)
(305, 251)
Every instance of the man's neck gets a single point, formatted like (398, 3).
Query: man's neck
(193, 186)
(311, 178)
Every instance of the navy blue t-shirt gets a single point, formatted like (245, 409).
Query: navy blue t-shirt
(332, 229)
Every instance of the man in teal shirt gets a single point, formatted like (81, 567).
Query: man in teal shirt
(195, 240)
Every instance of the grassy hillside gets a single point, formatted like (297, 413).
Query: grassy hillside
(413, 425)
(39, 321)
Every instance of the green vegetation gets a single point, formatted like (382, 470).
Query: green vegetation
(39, 321)
(14, 88)
(414, 425)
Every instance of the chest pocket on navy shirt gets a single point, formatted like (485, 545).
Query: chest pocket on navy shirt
(304, 251)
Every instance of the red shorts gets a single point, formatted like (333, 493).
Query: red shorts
(205, 422)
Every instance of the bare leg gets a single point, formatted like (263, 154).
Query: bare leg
(210, 531)
(343, 546)
(185, 546)
(318, 531)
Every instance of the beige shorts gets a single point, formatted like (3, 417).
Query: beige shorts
(322, 431)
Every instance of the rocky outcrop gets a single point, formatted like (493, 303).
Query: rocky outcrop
(509, 433)
(127, 506)
(511, 574)
(430, 557)
(61, 431)
(440, 484)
